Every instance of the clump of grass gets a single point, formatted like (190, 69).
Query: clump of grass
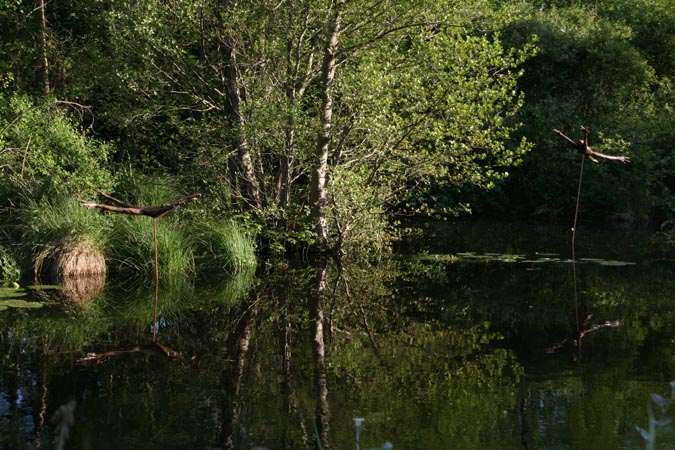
(132, 246)
(223, 245)
(48, 224)
(128, 241)
(53, 220)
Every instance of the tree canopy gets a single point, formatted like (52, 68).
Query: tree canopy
(323, 121)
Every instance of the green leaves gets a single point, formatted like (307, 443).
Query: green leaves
(45, 152)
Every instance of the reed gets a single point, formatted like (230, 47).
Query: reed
(50, 221)
(68, 237)
(131, 246)
(223, 245)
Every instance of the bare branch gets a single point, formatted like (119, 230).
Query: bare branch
(125, 208)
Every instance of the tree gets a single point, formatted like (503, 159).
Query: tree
(308, 113)
(587, 71)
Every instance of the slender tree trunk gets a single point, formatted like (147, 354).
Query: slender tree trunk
(247, 178)
(43, 44)
(319, 180)
(289, 146)
(287, 168)
(297, 79)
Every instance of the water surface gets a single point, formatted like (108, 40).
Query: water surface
(474, 336)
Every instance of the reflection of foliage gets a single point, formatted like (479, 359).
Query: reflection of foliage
(434, 354)
(50, 331)
(454, 372)
(9, 269)
(177, 296)
(64, 419)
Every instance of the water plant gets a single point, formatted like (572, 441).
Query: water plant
(223, 245)
(51, 220)
(131, 246)
(358, 424)
(660, 424)
(14, 298)
(69, 239)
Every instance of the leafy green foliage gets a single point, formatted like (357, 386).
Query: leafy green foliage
(434, 104)
(408, 119)
(222, 245)
(42, 152)
(591, 69)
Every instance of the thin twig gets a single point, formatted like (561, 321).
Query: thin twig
(25, 156)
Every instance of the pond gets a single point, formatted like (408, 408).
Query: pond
(473, 336)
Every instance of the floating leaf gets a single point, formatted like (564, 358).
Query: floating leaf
(15, 303)
(438, 257)
(540, 260)
(616, 263)
(11, 293)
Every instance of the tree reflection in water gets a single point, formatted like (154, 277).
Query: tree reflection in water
(431, 353)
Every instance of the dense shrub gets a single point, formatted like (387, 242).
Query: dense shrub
(44, 152)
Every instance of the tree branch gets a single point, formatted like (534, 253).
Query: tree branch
(126, 208)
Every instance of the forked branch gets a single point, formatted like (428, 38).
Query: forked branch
(126, 208)
(583, 148)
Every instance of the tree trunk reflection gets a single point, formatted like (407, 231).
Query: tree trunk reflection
(317, 307)
(232, 375)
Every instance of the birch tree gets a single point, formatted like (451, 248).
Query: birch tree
(322, 115)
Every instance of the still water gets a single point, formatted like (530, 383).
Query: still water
(473, 336)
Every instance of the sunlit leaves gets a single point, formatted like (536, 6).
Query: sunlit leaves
(430, 108)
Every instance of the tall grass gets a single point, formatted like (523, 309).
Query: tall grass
(149, 190)
(127, 241)
(223, 245)
(47, 224)
(131, 241)
(48, 221)
(132, 246)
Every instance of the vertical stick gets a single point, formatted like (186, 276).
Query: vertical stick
(576, 211)
(574, 257)
(154, 321)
